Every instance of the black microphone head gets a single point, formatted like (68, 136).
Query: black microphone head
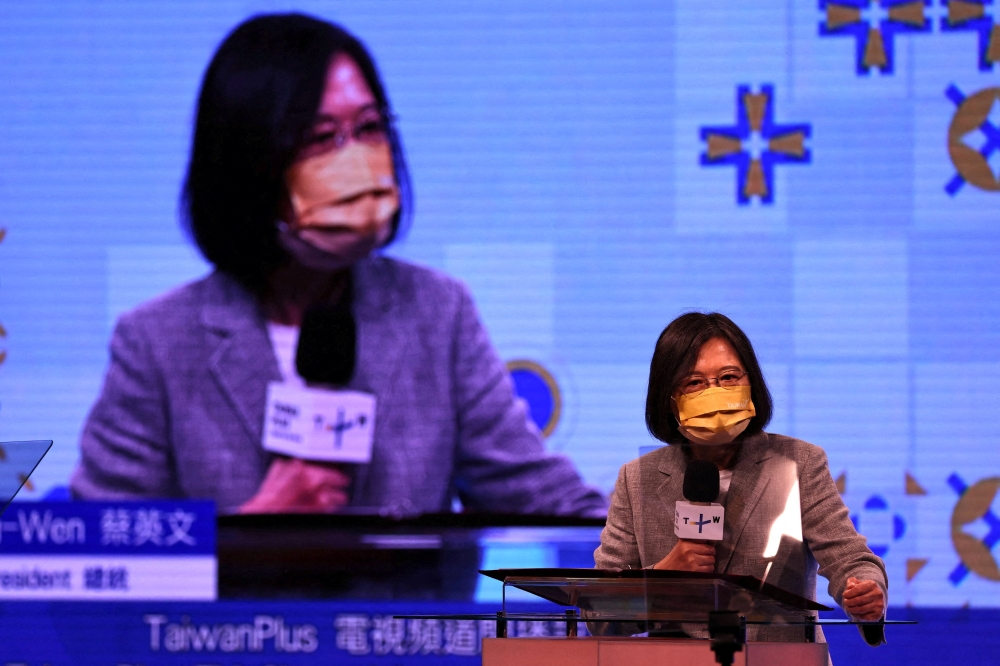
(327, 345)
(701, 481)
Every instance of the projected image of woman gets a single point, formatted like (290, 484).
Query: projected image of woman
(708, 400)
(296, 179)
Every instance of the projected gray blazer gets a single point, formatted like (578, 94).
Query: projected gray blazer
(640, 530)
(182, 406)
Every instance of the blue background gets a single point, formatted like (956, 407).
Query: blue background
(555, 151)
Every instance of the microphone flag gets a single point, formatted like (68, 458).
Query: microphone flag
(699, 517)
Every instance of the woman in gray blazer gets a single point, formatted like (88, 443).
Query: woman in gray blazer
(783, 515)
(296, 179)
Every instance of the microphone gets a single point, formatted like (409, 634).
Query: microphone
(327, 345)
(701, 481)
(700, 517)
(329, 422)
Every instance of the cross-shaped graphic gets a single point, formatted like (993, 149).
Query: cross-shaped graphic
(340, 426)
(977, 120)
(979, 16)
(701, 521)
(755, 144)
(874, 25)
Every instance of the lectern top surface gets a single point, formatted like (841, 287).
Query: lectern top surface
(662, 595)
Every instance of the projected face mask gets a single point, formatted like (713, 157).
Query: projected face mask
(343, 202)
(716, 415)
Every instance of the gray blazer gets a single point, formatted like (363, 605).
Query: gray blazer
(640, 531)
(182, 406)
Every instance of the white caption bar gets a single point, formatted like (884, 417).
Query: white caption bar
(97, 578)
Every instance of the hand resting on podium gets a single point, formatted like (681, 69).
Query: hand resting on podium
(863, 600)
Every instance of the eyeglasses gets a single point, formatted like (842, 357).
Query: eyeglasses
(370, 126)
(696, 383)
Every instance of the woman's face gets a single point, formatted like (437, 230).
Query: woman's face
(716, 358)
(342, 188)
(346, 98)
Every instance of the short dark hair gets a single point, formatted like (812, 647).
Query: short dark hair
(674, 357)
(257, 106)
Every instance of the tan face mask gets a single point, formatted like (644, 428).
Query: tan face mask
(717, 415)
(343, 202)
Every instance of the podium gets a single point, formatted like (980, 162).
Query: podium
(689, 619)
(597, 651)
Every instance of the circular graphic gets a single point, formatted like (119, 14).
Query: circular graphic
(880, 526)
(975, 504)
(974, 114)
(539, 389)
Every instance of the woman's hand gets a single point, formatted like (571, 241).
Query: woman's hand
(298, 486)
(863, 599)
(689, 555)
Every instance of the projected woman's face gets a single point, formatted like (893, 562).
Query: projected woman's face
(342, 188)
(346, 99)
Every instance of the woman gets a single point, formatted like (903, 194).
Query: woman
(708, 400)
(296, 178)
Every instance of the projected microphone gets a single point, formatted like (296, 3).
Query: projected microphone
(327, 345)
(700, 518)
(323, 421)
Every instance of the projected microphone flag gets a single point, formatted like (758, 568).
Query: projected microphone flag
(319, 424)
